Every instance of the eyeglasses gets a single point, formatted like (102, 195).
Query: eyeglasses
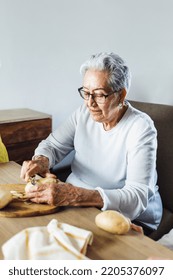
(98, 98)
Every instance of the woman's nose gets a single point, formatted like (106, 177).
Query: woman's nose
(91, 101)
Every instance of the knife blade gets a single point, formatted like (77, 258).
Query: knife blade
(32, 180)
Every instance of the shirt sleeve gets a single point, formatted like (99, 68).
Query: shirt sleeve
(60, 142)
(133, 198)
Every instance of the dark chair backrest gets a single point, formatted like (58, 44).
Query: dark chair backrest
(162, 115)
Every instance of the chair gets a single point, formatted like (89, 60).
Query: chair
(162, 115)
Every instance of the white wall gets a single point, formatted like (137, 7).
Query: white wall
(44, 42)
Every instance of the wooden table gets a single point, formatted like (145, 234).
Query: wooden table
(132, 246)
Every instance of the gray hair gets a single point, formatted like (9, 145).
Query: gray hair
(119, 73)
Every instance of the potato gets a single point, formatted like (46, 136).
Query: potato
(5, 197)
(113, 222)
(29, 186)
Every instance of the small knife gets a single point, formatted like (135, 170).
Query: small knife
(32, 180)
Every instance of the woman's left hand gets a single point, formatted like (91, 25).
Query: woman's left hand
(51, 193)
(64, 194)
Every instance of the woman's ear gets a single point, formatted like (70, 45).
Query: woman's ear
(123, 94)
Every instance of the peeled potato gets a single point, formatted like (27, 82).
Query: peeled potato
(5, 197)
(29, 186)
(113, 222)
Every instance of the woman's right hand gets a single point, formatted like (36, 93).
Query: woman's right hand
(36, 166)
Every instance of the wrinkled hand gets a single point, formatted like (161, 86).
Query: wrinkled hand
(64, 194)
(61, 194)
(33, 167)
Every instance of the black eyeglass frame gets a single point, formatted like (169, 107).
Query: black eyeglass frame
(94, 95)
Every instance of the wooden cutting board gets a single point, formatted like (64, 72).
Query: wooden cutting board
(24, 209)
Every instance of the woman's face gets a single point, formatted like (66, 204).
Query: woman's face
(96, 82)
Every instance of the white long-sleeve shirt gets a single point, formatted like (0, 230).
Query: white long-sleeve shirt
(119, 163)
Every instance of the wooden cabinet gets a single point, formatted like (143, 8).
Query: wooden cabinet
(21, 131)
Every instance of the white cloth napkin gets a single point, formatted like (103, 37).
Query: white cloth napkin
(167, 240)
(56, 241)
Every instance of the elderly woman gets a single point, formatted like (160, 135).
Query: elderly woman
(114, 165)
